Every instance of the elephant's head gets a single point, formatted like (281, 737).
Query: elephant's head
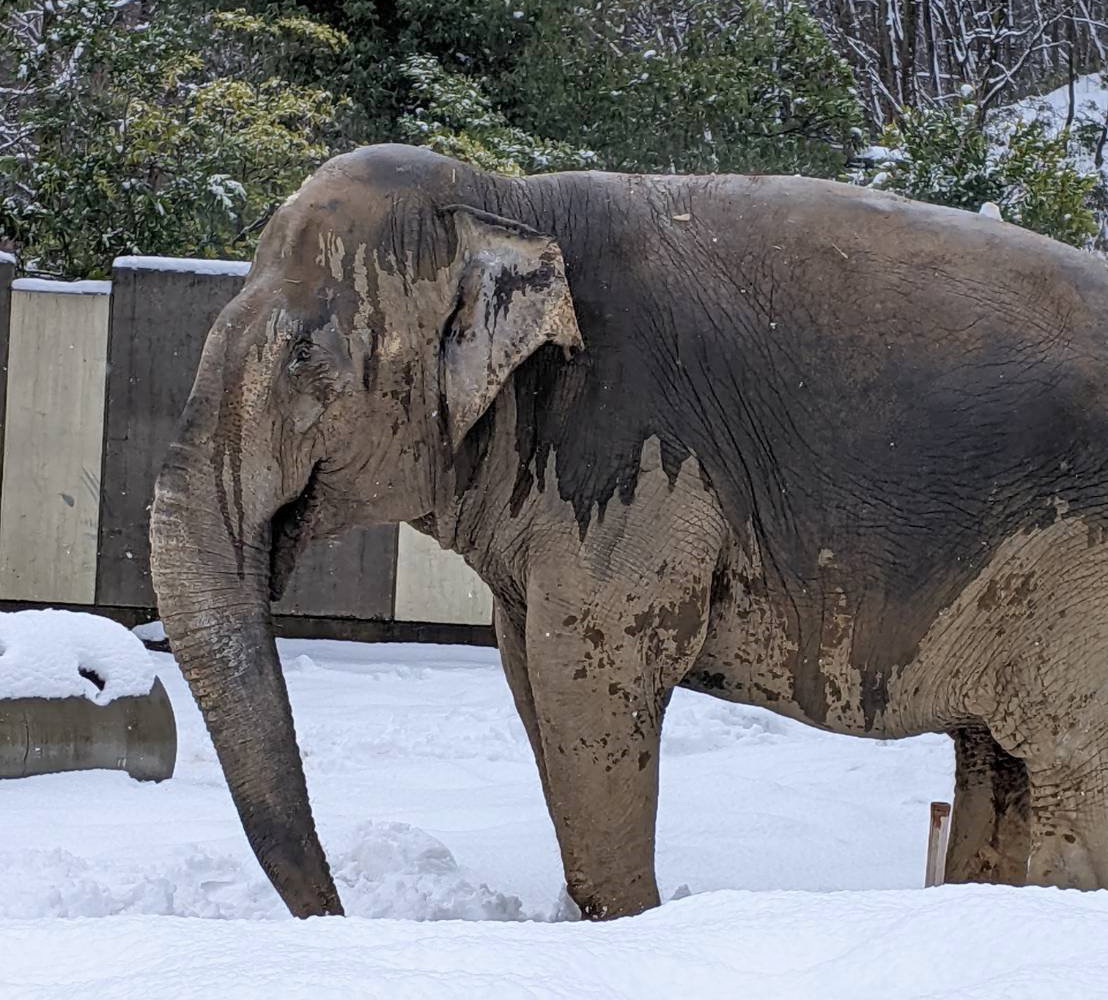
(379, 320)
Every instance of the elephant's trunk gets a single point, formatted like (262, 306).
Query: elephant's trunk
(213, 597)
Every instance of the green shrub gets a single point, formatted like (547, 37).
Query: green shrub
(137, 144)
(944, 155)
(455, 117)
(691, 87)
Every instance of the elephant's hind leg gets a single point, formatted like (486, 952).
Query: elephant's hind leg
(1069, 826)
(990, 837)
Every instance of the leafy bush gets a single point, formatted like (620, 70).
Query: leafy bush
(944, 155)
(455, 117)
(132, 142)
(652, 85)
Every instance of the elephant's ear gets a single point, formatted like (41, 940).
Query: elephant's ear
(512, 299)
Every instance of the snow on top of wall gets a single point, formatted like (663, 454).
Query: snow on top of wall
(62, 287)
(190, 265)
(63, 654)
(6, 258)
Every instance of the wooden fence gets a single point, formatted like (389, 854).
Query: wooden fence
(93, 377)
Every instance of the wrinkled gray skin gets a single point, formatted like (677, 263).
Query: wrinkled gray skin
(779, 440)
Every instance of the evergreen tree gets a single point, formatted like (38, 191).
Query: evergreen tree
(455, 117)
(653, 85)
(684, 85)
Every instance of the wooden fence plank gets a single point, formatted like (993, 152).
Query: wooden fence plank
(52, 441)
(349, 577)
(158, 324)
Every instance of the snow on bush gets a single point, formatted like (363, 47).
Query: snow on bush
(65, 654)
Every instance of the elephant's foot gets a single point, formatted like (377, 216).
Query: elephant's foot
(601, 773)
(609, 902)
(990, 835)
(1069, 829)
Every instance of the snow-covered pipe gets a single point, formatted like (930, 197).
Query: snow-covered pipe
(136, 734)
(77, 692)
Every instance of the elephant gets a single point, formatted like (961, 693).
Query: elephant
(784, 441)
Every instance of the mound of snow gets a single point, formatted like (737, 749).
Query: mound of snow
(398, 870)
(65, 654)
(298, 663)
(1090, 98)
(1090, 106)
(189, 882)
(707, 725)
(381, 869)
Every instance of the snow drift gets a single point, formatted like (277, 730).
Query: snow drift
(65, 654)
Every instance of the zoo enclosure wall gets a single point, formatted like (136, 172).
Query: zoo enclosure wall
(93, 378)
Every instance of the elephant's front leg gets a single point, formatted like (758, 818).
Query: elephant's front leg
(599, 717)
(512, 643)
(600, 671)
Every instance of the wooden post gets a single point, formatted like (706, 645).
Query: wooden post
(937, 837)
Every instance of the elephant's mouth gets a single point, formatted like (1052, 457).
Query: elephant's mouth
(290, 529)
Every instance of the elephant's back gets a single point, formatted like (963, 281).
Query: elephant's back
(885, 392)
(827, 347)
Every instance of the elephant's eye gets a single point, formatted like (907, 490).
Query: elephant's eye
(302, 353)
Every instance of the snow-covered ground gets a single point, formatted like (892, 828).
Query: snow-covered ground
(429, 805)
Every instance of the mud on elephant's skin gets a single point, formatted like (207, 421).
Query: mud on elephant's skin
(779, 440)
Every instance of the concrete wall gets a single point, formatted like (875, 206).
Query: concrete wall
(96, 384)
(159, 319)
(162, 310)
(53, 429)
(433, 585)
